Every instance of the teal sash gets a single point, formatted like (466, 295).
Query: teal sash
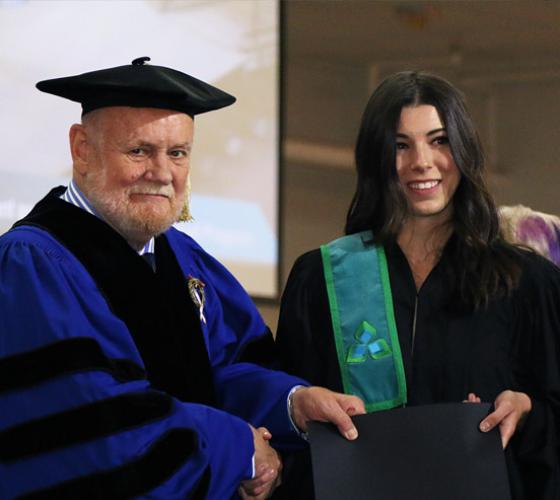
(365, 332)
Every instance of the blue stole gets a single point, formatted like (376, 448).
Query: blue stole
(363, 319)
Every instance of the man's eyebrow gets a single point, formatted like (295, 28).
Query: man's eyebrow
(146, 144)
(187, 146)
(431, 132)
(137, 143)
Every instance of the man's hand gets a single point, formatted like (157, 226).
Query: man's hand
(267, 468)
(317, 403)
(510, 408)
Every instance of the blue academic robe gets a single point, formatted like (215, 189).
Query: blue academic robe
(80, 417)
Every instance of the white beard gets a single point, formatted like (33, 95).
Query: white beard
(136, 222)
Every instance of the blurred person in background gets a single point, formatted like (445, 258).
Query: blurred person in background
(537, 230)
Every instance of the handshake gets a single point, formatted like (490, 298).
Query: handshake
(307, 403)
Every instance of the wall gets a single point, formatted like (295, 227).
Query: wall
(515, 103)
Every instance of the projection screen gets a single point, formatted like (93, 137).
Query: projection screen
(231, 44)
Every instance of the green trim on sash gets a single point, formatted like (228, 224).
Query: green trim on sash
(365, 332)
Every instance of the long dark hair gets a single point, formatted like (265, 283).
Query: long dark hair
(484, 265)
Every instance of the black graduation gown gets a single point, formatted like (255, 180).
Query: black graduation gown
(513, 344)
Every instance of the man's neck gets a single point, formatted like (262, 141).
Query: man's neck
(79, 198)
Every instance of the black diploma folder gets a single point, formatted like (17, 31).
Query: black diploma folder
(433, 452)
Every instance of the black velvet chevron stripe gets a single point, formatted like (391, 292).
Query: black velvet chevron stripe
(81, 424)
(134, 478)
(67, 356)
(260, 351)
(176, 360)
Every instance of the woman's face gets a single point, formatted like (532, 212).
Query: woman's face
(425, 165)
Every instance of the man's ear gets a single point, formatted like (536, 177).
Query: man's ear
(79, 148)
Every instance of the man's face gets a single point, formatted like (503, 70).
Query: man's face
(137, 168)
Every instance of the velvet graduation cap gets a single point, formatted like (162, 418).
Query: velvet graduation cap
(139, 85)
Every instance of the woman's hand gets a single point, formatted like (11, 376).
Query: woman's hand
(472, 398)
(510, 407)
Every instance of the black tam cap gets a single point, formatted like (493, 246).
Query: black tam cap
(139, 85)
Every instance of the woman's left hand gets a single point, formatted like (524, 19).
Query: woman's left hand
(510, 407)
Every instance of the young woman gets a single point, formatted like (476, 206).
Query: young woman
(423, 301)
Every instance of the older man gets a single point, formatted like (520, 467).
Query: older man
(127, 352)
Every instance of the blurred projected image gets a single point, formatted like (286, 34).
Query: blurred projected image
(232, 44)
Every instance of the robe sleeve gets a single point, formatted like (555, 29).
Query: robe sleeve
(241, 348)
(537, 365)
(78, 418)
